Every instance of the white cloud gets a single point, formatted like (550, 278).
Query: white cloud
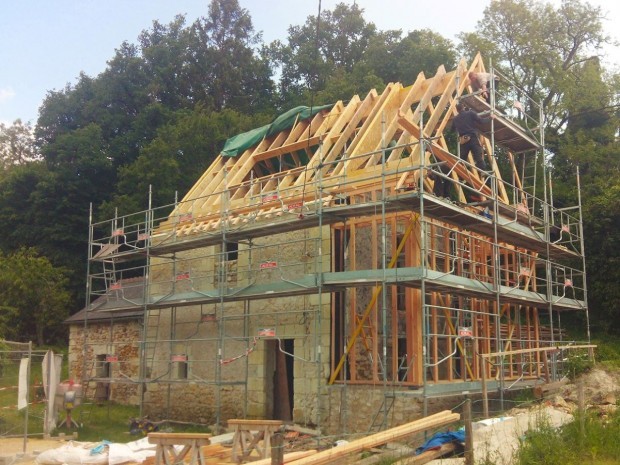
(6, 93)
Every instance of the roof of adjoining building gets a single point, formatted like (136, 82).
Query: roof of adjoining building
(115, 304)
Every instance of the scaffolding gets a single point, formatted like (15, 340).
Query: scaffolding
(320, 254)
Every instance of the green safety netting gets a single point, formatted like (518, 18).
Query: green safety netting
(237, 144)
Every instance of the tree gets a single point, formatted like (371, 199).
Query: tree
(343, 54)
(603, 216)
(34, 292)
(177, 157)
(318, 49)
(552, 54)
(46, 204)
(539, 47)
(98, 137)
(224, 67)
(16, 144)
(64, 110)
(403, 59)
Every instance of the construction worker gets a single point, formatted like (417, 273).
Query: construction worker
(441, 185)
(480, 83)
(466, 124)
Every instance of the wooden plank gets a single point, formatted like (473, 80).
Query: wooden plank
(177, 436)
(362, 111)
(252, 435)
(427, 456)
(341, 129)
(453, 162)
(412, 95)
(292, 147)
(394, 434)
(290, 457)
(255, 423)
(539, 349)
(370, 132)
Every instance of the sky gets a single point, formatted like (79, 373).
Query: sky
(46, 44)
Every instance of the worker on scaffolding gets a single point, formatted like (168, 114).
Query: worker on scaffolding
(441, 182)
(480, 83)
(466, 123)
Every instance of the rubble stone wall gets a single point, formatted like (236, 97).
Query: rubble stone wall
(357, 409)
(120, 339)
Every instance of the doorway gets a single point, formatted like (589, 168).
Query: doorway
(283, 378)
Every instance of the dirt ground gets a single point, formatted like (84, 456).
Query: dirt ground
(15, 447)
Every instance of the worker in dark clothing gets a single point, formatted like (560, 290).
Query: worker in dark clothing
(441, 185)
(466, 123)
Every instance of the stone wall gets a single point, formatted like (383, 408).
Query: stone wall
(230, 364)
(120, 339)
(353, 408)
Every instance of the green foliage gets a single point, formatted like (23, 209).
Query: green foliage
(587, 439)
(576, 365)
(524, 396)
(343, 54)
(420, 51)
(308, 59)
(602, 216)
(551, 52)
(176, 158)
(113, 422)
(607, 351)
(540, 47)
(16, 144)
(34, 294)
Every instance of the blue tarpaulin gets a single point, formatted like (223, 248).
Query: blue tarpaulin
(439, 439)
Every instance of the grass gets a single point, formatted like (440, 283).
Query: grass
(12, 421)
(98, 422)
(112, 422)
(608, 351)
(586, 440)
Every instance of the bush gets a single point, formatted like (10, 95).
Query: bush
(587, 439)
(576, 365)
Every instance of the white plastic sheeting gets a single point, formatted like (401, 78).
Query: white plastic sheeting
(22, 388)
(80, 453)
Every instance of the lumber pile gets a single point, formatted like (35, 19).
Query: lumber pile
(212, 454)
(427, 456)
(337, 454)
(216, 453)
(288, 458)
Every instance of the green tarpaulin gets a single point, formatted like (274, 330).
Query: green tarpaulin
(237, 144)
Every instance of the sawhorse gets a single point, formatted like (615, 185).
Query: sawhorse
(248, 434)
(165, 453)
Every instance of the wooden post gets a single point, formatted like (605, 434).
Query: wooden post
(277, 449)
(469, 431)
(545, 355)
(582, 409)
(485, 394)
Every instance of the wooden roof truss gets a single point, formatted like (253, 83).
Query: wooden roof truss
(340, 152)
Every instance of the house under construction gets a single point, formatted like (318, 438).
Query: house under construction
(311, 274)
